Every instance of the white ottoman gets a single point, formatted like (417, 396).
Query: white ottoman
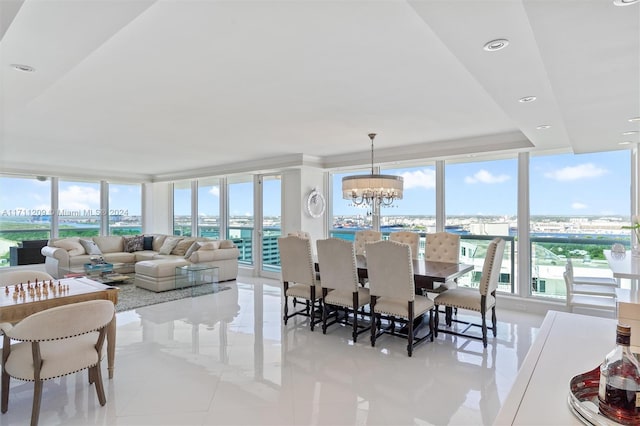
(159, 274)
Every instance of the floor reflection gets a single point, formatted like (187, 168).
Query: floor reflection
(227, 358)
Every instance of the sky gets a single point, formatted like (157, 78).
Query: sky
(567, 185)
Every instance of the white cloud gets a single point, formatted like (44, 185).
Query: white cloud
(578, 206)
(215, 191)
(425, 178)
(581, 171)
(484, 176)
(77, 197)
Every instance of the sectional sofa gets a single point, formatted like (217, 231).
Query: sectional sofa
(152, 257)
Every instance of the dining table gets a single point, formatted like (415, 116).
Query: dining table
(428, 275)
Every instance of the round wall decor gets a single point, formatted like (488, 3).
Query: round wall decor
(315, 203)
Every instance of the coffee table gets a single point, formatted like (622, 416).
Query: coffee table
(196, 276)
(105, 273)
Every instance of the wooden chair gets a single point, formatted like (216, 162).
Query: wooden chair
(392, 288)
(299, 278)
(479, 301)
(337, 262)
(407, 237)
(53, 343)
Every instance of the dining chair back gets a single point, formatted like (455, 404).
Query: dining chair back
(587, 300)
(392, 289)
(366, 236)
(587, 280)
(407, 237)
(299, 277)
(340, 286)
(481, 301)
(22, 276)
(301, 234)
(442, 247)
(53, 343)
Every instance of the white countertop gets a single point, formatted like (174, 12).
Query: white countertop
(567, 345)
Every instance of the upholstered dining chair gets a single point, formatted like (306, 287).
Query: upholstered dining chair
(480, 300)
(392, 290)
(442, 247)
(299, 278)
(365, 236)
(337, 262)
(407, 237)
(53, 343)
(22, 276)
(301, 234)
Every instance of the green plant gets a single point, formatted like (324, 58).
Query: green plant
(635, 226)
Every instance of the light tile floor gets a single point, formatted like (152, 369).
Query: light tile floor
(227, 358)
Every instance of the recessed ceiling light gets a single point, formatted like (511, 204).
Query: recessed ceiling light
(527, 99)
(543, 126)
(23, 68)
(630, 132)
(624, 2)
(497, 44)
(634, 119)
(624, 143)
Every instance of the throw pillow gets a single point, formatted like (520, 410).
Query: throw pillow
(135, 243)
(225, 244)
(169, 244)
(90, 247)
(183, 245)
(71, 245)
(194, 248)
(147, 243)
(210, 245)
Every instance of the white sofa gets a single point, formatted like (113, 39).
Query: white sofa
(154, 264)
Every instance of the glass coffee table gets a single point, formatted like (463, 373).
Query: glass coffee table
(105, 273)
(201, 278)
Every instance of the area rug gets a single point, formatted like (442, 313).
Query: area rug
(132, 297)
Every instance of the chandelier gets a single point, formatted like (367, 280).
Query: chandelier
(374, 189)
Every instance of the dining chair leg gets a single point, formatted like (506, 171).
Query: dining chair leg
(355, 316)
(312, 314)
(372, 305)
(437, 320)
(324, 312)
(410, 330)
(494, 322)
(286, 309)
(99, 385)
(431, 329)
(37, 398)
(484, 329)
(5, 391)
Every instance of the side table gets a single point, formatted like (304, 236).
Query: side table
(197, 277)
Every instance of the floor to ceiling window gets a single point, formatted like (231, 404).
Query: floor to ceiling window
(241, 216)
(125, 209)
(25, 212)
(209, 208)
(416, 211)
(182, 208)
(579, 204)
(271, 221)
(79, 210)
(481, 200)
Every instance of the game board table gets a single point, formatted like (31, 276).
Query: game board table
(13, 309)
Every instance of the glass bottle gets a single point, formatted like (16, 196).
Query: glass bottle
(619, 389)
